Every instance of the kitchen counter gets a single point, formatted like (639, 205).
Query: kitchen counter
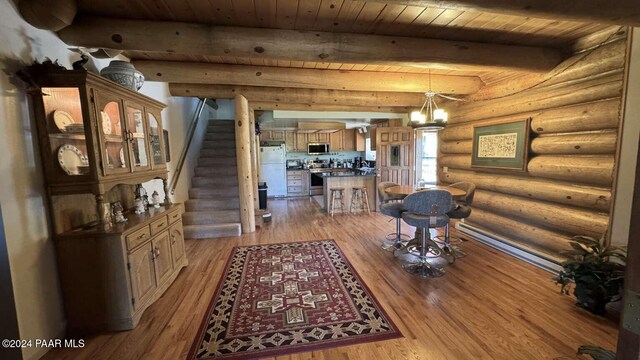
(345, 174)
(348, 180)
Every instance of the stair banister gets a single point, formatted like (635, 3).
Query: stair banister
(187, 145)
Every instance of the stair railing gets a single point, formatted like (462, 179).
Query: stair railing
(187, 145)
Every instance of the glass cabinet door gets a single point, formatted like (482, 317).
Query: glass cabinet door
(156, 142)
(66, 132)
(113, 138)
(137, 137)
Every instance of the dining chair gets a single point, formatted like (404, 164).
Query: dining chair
(390, 206)
(426, 210)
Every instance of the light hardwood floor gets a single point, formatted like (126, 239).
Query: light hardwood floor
(487, 306)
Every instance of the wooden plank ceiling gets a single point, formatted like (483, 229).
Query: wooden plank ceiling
(346, 16)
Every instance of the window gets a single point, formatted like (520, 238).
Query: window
(427, 168)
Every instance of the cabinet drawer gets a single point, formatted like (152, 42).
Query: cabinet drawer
(138, 237)
(294, 183)
(159, 225)
(294, 189)
(174, 216)
(294, 177)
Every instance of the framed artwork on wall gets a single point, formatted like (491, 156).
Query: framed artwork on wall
(501, 145)
(167, 149)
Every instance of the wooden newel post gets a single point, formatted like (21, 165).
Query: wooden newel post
(243, 156)
(254, 157)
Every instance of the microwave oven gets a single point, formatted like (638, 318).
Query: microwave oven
(318, 148)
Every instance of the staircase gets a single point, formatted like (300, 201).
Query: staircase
(213, 208)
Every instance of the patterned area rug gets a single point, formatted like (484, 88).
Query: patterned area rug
(284, 298)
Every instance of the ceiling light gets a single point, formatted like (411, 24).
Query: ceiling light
(430, 117)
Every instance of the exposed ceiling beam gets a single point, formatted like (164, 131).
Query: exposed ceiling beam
(206, 73)
(315, 46)
(315, 107)
(300, 96)
(618, 12)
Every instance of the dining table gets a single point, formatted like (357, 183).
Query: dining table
(410, 189)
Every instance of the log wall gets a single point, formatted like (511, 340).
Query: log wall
(566, 189)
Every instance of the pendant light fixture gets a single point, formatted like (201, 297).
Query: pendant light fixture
(430, 117)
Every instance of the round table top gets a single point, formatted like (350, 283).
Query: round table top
(409, 189)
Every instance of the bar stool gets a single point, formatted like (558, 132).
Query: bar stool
(336, 194)
(462, 210)
(426, 209)
(359, 200)
(390, 207)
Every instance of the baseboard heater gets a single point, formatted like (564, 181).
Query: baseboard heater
(510, 247)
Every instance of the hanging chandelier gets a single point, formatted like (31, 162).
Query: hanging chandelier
(429, 117)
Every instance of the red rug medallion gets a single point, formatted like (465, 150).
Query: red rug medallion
(284, 298)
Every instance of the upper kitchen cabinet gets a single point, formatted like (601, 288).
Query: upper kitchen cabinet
(93, 133)
(272, 135)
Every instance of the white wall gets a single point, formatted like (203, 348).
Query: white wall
(22, 194)
(629, 150)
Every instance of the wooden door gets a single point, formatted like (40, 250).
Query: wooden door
(163, 262)
(360, 142)
(301, 142)
(372, 134)
(176, 234)
(142, 273)
(290, 141)
(322, 137)
(336, 139)
(277, 135)
(349, 140)
(395, 154)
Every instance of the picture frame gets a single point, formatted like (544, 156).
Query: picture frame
(501, 145)
(167, 148)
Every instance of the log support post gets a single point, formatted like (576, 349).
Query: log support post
(243, 157)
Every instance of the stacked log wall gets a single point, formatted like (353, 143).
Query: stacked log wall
(566, 190)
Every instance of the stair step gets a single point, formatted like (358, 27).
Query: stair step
(211, 181)
(207, 153)
(211, 217)
(229, 203)
(220, 136)
(212, 192)
(217, 161)
(221, 129)
(215, 171)
(219, 144)
(212, 231)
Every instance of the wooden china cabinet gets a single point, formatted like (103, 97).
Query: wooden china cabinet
(99, 138)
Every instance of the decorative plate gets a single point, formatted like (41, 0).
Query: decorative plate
(122, 163)
(71, 159)
(62, 119)
(106, 123)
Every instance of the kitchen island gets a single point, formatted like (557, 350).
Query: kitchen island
(347, 180)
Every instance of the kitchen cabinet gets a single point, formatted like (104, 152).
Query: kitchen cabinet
(301, 142)
(318, 137)
(272, 135)
(372, 134)
(360, 141)
(297, 182)
(337, 140)
(290, 141)
(349, 140)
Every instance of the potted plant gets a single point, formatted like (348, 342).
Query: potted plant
(596, 269)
